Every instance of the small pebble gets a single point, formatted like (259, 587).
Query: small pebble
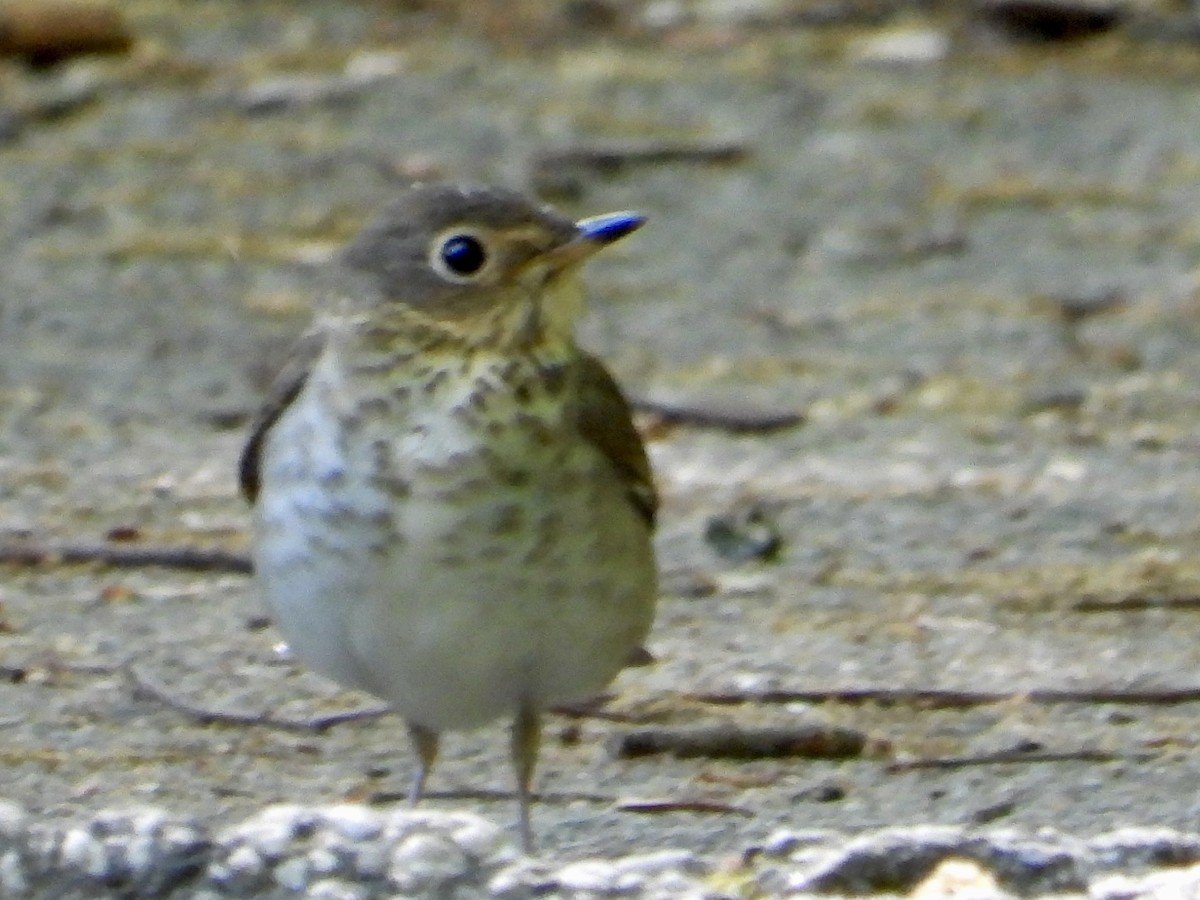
(1176, 884)
(330, 889)
(80, 850)
(244, 864)
(12, 875)
(484, 840)
(426, 863)
(906, 46)
(958, 879)
(370, 859)
(743, 534)
(272, 831)
(648, 864)
(587, 875)
(292, 874)
(13, 819)
(323, 862)
(1144, 847)
(358, 823)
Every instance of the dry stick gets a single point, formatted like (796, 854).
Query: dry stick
(144, 685)
(726, 740)
(693, 806)
(616, 155)
(1010, 758)
(593, 708)
(737, 420)
(206, 715)
(643, 807)
(44, 31)
(948, 699)
(490, 795)
(1135, 602)
(123, 556)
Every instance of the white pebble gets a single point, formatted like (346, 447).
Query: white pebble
(13, 819)
(141, 853)
(292, 875)
(368, 66)
(780, 843)
(484, 840)
(330, 889)
(244, 863)
(422, 862)
(370, 860)
(323, 861)
(178, 836)
(647, 864)
(904, 46)
(664, 14)
(290, 814)
(674, 885)
(147, 821)
(271, 832)
(587, 875)
(787, 841)
(12, 876)
(524, 878)
(272, 841)
(738, 12)
(353, 821)
(82, 851)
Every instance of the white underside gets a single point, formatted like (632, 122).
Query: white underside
(444, 612)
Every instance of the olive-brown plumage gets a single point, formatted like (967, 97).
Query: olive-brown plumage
(453, 508)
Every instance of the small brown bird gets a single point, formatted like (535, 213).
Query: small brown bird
(454, 511)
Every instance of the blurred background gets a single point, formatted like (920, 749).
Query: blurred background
(911, 333)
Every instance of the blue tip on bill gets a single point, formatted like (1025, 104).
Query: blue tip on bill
(610, 227)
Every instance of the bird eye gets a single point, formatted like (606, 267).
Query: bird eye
(463, 255)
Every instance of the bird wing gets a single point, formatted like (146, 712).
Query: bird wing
(284, 389)
(606, 422)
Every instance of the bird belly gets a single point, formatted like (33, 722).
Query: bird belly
(477, 579)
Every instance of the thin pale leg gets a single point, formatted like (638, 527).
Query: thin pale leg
(425, 743)
(526, 738)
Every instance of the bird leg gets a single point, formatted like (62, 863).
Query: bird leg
(526, 738)
(425, 743)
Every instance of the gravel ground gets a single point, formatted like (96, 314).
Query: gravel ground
(350, 851)
(966, 261)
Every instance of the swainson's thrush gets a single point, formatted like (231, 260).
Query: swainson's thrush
(453, 509)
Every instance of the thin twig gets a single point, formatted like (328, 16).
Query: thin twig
(950, 699)
(646, 807)
(1010, 757)
(594, 708)
(739, 419)
(726, 740)
(611, 156)
(205, 715)
(489, 795)
(195, 559)
(1135, 602)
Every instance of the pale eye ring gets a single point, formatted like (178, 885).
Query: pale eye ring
(459, 256)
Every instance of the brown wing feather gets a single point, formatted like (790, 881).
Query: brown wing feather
(287, 384)
(606, 421)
